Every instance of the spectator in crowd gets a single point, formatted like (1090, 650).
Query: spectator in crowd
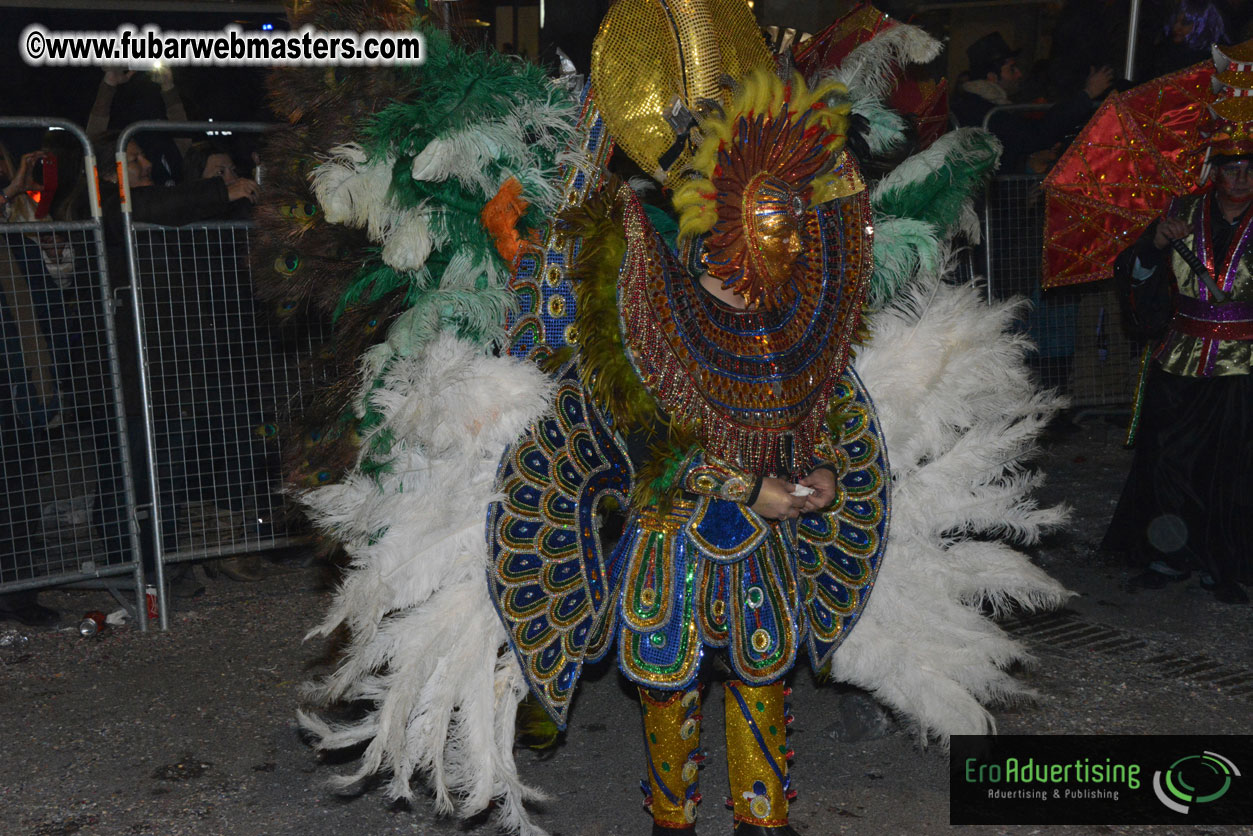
(1031, 144)
(15, 203)
(1191, 29)
(198, 199)
(138, 167)
(208, 159)
(106, 115)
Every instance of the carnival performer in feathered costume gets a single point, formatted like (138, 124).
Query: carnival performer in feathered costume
(542, 351)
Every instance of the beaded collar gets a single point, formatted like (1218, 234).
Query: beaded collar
(755, 384)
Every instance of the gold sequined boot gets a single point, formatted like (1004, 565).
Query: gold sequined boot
(672, 745)
(757, 758)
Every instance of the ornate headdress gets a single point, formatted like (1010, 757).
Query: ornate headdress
(1230, 125)
(762, 165)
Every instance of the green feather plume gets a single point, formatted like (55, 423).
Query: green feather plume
(604, 367)
(417, 179)
(934, 185)
(921, 203)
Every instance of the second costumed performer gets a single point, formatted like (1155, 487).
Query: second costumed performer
(1185, 504)
(698, 383)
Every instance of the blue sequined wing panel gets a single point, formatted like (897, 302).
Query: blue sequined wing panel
(658, 644)
(544, 320)
(840, 550)
(551, 582)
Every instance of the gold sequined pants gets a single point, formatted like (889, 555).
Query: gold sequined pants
(672, 745)
(757, 754)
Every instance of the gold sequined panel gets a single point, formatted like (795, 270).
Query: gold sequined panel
(1242, 52)
(1235, 109)
(740, 41)
(1242, 79)
(757, 753)
(647, 52)
(672, 743)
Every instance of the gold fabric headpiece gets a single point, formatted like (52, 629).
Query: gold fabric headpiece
(650, 54)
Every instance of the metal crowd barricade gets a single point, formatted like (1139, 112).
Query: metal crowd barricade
(67, 511)
(1081, 347)
(216, 382)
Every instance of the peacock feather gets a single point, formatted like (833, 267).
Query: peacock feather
(399, 198)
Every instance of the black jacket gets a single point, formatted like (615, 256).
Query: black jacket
(1023, 135)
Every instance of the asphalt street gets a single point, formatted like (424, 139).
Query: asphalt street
(193, 731)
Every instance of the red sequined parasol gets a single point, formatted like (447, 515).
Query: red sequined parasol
(1140, 149)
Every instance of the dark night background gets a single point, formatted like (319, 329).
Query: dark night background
(217, 92)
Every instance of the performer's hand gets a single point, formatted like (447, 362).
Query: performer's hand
(1099, 80)
(1168, 229)
(775, 500)
(822, 481)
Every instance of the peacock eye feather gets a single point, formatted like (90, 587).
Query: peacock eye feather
(266, 430)
(287, 263)
(334, 77)
(299, 211)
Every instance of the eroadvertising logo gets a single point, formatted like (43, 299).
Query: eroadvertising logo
(1100, 779)
(1210, 775)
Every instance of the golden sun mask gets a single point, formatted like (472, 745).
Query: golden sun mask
(774, 221)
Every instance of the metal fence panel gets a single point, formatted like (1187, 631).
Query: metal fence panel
(67, 509)
(214, 382)
(219, 382)
(68, 496)
(1081, 347)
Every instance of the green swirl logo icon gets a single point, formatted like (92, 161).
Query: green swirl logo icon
(1194, 779)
